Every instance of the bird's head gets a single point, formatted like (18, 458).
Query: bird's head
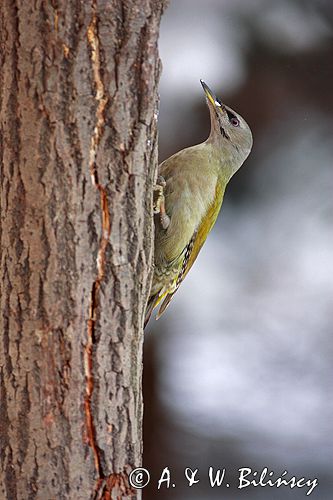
(228, 130)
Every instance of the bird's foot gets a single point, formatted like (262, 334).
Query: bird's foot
(159, 204)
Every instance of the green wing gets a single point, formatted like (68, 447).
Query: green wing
(191, 251)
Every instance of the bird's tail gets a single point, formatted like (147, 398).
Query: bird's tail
(167, 299)
(152, 302)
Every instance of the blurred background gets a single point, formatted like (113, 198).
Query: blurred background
(239, 371)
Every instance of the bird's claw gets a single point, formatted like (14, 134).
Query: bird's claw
(159, 204)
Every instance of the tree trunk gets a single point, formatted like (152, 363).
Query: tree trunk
(78, 113)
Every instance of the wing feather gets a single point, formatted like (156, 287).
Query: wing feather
(193, 247)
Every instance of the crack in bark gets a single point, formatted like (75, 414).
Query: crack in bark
(106, 486)
(93, 40)
(115, 486)
(92, 34)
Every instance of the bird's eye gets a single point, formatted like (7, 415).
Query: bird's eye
(232, 118)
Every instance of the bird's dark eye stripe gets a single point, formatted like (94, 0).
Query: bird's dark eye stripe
(230, 115)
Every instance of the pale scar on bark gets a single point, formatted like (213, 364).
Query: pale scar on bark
(159, 203)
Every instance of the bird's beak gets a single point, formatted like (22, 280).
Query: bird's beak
(210, 96)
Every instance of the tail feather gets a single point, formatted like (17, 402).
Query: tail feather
(165, 304)
(154, 301)
(150, 307)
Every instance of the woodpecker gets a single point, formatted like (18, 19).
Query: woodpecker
(190, 187)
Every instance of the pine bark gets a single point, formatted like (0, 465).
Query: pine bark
(78, 110)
